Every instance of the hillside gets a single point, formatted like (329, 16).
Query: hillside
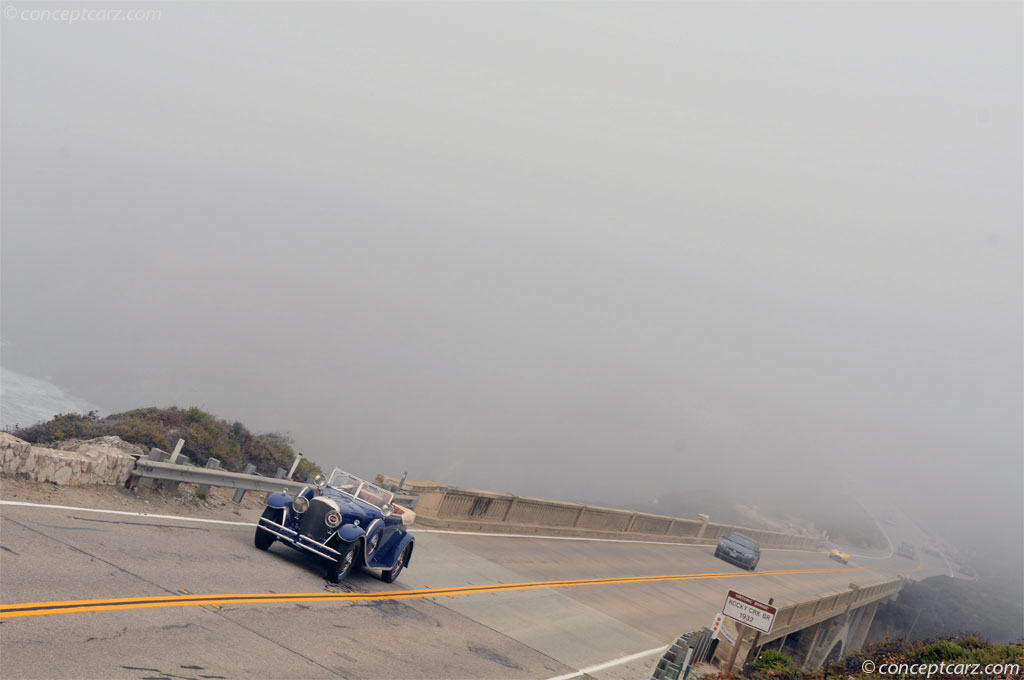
(941, 606)
(205, 435)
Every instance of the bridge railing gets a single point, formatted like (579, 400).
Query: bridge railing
(444, 505)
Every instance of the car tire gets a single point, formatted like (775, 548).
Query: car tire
(263, 538)
(337, 571)
(389, 575)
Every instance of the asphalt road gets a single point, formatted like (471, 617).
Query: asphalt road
(532, 631)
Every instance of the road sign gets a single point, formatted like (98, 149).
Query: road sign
(749, 612)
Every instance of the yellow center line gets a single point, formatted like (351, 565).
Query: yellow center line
(192, 600)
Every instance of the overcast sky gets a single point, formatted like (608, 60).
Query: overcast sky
(561, 249)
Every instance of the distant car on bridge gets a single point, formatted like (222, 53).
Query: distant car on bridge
(906, 550)
(739, 550)
(839, 556)
(343, 519)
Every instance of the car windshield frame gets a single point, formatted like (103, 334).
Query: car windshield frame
(360, 489)
(743, 540)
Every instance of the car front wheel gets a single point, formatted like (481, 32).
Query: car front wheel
(343, 567)
(264, 539)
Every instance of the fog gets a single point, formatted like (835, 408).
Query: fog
(573, 250)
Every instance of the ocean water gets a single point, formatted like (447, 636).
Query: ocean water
(25, 400)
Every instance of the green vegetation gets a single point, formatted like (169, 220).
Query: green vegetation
(954, 652)
(205, 435)
(774, 661)
(940, 606)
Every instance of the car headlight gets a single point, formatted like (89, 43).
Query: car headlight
(300, 504)
(333, 519)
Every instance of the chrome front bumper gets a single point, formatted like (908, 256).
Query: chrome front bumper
(298, 540)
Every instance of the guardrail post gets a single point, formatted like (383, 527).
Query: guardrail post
(629, 524)
(172, 486)
(671, 525)
(281, 472)
(579, 517)
(157, 456)
(240, 494)
(176, 451)
(295, 464)
(203, 490)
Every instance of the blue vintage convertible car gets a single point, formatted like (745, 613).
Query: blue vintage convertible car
(343, 519)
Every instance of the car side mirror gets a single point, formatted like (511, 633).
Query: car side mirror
(320, 481)
(387, 510)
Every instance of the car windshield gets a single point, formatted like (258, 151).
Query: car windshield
(742, 540)
(358, 488)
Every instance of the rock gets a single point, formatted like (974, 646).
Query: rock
(62, 476)
(104, 460)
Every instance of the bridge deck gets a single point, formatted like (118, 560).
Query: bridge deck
(537, 632)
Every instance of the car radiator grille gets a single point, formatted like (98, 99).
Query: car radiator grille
(313, 524)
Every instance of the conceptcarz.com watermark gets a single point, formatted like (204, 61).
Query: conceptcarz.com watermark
(76, 15)
(927, 670)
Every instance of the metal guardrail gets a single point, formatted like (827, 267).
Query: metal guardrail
(407, 500)
(150, 469)
(684, 653)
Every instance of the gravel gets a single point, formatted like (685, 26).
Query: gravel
(217, 505)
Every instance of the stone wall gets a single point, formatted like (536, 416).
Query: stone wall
(105, 460)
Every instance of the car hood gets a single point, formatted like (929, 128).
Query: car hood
(735, 547)
(353, 510)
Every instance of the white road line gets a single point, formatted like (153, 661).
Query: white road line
(608, 664)
(123, 512)
(417, 531)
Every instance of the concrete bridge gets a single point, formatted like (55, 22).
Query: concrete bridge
(827, 626)
(539, 589)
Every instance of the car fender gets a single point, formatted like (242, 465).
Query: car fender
(386, 556)
(408, 540)
(350, 532)
(374, 528)
(279, 499)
